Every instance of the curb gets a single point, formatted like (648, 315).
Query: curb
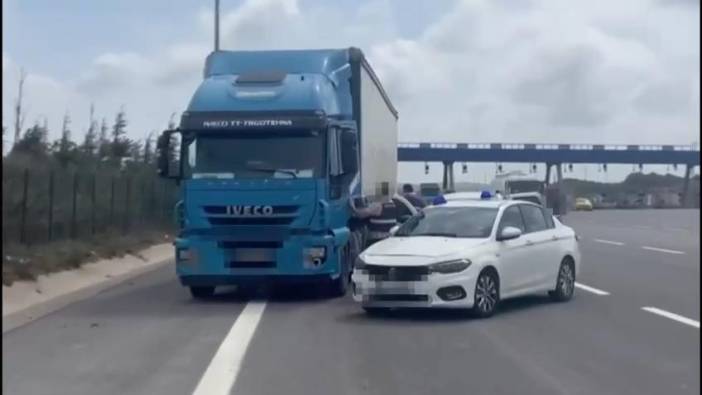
(22, 317)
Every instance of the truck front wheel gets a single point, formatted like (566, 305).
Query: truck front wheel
(339, 286)
(202, 292)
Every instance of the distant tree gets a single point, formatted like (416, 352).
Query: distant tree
(120, 144)
(90, 143)
(103, 142)
(34, 141)
(148, 149)
(19, 114)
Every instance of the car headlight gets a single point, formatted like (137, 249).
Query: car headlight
(359, 264)
(454, 266)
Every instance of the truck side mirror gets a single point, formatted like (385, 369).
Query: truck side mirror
(349, 151)
(165, 160)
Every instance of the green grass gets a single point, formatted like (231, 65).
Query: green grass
(26, 263)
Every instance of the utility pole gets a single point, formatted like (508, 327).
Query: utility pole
(216, 26)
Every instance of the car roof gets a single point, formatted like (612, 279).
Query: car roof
(488, 203)
(474, 195)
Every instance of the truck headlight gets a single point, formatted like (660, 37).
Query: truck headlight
(454, 266)
(313, 257)
(315, 252)
(187, 255)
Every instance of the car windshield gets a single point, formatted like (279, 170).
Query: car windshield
(446, 221)
(256, 155)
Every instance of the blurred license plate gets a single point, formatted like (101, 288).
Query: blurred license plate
(254, 255)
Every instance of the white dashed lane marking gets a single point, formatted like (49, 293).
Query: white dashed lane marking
(616, 243)
(591, 289)
(667, 251)
(221, 373)
(672, 316)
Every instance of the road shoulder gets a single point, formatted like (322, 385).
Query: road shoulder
(26, 301)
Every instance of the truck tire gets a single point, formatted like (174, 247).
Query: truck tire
(339, 286)
(202, 292)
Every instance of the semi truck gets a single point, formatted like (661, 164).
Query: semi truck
(275, 154)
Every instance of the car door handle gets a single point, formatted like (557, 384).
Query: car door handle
(554, 237)
(529, 242)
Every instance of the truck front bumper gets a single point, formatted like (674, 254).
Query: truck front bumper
(202, 261)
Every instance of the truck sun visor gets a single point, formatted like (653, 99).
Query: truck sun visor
(261, 77)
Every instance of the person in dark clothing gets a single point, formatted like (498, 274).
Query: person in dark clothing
(379, 226)
(408, 193)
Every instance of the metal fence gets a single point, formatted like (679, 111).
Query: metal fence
(41, 206)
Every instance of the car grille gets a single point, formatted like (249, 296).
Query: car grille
(396, 273)
(398, 298)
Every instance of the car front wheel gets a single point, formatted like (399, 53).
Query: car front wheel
(487, 294)
(565, 284)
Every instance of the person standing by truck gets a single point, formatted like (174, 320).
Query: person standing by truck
(408, 193)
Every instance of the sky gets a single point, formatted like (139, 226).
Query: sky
(509, 71)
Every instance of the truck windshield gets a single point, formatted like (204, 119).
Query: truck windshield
(521, 186)
(298, 154)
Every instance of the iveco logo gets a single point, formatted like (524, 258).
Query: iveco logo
(249, 211)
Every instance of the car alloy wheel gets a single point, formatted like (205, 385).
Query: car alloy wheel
(486, 295)
(566, 280)
(565, 285)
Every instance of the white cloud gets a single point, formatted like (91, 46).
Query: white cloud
(489, 70)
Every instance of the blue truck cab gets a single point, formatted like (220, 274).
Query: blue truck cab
(271, 151)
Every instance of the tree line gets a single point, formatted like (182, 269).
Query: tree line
(105, 144)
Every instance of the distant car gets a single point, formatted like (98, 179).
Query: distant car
(583, 204)
(468, 254)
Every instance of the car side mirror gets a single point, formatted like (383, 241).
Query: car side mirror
(394, 229)
(509, 233)
(166, 151)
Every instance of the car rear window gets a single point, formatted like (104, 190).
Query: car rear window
(533, 218)
(531, 199)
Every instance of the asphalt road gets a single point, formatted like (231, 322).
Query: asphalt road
(149, 337)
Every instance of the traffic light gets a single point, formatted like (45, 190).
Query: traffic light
(464, 168)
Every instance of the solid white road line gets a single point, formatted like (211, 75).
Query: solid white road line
(616, 243)
(662, 250)
(672, 316)
(221, 373)
(590, 289)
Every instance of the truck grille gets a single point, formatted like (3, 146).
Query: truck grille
(397, 273)
(221, 216)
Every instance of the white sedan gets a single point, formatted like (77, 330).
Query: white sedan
(469, 254)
